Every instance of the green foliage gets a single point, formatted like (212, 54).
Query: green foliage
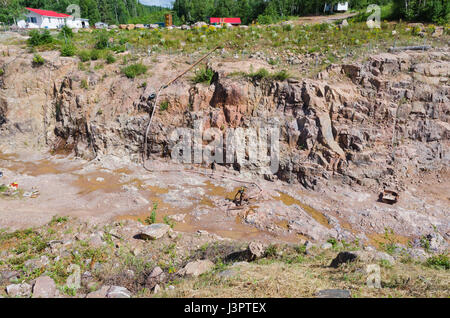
(2, 72)
(152, 218)
(95, 55)
(84, 84)
(164, 106)
(66, 32)
(439, 261)
(102, 41)
(39, 38)
(110, 59)
(38, 60)
(203, 75)
(133, 70)
(262, 73)
(84, 55)
(169, 221)
(68, 49)
(271, 250)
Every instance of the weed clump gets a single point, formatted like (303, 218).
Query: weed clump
(38, 60)
(133, 70)
(203, 75)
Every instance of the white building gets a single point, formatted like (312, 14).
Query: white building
(338, 7)
(341, 7)
(45, 19)
(77, 23)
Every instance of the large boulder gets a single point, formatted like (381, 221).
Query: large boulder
(196, 268)
(44, 287)
(153, 232)
(19, 290)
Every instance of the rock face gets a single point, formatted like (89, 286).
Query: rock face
(196, 268)
(153, 232)
(44, 287)
(339, 125)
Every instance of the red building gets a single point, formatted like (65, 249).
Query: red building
(225, 20)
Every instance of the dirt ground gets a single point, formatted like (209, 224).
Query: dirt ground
(323, 18)
(110, 189)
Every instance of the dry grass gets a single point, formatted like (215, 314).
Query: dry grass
(278, 279)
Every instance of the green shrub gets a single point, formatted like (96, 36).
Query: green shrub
(38, 38)
(84, 55)
(68, 49)
(203, 75)
(84, 84)
(102, 41)
(110, 59)
(2, 72)
(260, 74)
(280, 76)
(38, 60)
(152, 218)
(95, 55)
(133, 70)
(66, 32)
(439, 261)
(164, 106)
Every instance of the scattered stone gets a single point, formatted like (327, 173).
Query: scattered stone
(196, 268)
(156, 276)
(334, 293)
(118, 292)
(256, 250)
(44, 287)
(153, 232)
(227, 273)
(177, 217)
(343, 257)
(9, 275)
(101, 293)
(326, 246)
(157, 289)
(19, 290)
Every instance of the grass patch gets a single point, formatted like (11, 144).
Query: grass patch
(38, 60)
(439, 262)
(203, 75)
(134, 70)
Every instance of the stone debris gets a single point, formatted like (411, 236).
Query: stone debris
(196, 268)
(19, 290)
(44, 287)
(334, 293)
(153, 232)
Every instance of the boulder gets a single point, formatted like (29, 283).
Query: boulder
(153, 232)
(101, 293)
(44, 287)
(256, 250)
(19, 290)
(334, 293)
(156, 276)
(118, 292)
(196, 268)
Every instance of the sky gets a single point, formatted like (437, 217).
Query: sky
(163, 3)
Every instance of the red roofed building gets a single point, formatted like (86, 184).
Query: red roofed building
(46, 19)
(225, 20)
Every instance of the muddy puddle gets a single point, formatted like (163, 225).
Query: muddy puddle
(33, 168)
(316, 215)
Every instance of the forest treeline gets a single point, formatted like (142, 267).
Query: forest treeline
(263, 11)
